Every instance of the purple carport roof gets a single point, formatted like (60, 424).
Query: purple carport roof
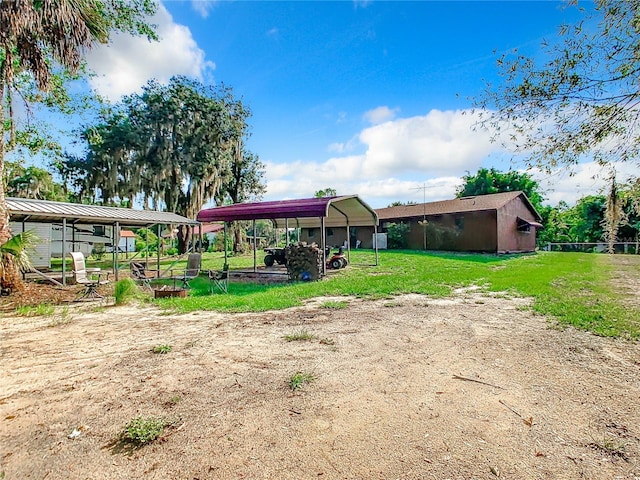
(304, 212)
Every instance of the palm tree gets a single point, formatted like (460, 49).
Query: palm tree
(37, 35)
(14, 258)
(31, 33)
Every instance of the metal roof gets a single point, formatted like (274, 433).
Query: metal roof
(492, 201)
(305, 212)
(26, 209)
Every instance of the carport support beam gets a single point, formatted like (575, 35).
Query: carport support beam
(224, 243)
(64, 251)
(255, 247)
(116, 248)
(159, 242)
(375, 238)
(286, 232)
(323, 241)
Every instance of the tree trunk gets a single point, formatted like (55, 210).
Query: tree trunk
(5, 232)
(184, 237)
(238, 238)
(9, 274)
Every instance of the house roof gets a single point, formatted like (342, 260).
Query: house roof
(209, 228)
(476, 203)
(30, 210)
(304, 212)
(127, 234)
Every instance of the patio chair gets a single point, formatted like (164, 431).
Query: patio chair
(141, 275)
(194, 262)
(90, 278)
(219, 279)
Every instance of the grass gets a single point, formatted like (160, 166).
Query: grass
(124, 291)
(299, 379)
(334, 305)
(40, 310)
(300, 336)
(575, 288)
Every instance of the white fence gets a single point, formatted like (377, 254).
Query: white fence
(597, 247)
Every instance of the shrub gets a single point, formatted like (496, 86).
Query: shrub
(141, 431)
(397, 235)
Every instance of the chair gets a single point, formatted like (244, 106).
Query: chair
(219, 279)
(194, 262)
(141, 275)
(90, 278)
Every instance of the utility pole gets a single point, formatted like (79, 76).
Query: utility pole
(424, 212)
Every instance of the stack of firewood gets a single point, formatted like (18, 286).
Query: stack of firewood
(304, 262)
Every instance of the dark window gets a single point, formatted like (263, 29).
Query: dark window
(459, 222)
(312, 232)
(98, 230)
(330, 232)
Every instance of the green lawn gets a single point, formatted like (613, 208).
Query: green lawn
(575, 288)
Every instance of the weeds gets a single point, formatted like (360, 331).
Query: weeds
(141, 431)
(302, 335)
(299, 379)
(327, 341)
(125, 291)
(161, 348)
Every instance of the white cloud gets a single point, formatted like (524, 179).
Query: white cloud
(436, 148)
(439, 143)
(584, 179)
(128, 62)
(337, 147)
(203, 7)
(380, 114)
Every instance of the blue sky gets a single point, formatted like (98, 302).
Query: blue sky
(369, 98)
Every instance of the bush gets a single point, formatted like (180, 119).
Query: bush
(141, 431)
(218, 243)
(98, 251)
(397, 235)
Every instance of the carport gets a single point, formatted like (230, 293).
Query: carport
(335, 212)
(23, 211)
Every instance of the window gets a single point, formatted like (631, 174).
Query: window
(459, 222)
(330, 232)
(98, 230)
(312, 232)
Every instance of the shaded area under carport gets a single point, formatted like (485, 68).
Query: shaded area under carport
(343, 211)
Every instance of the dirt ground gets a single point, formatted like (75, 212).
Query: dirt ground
(470, 387)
